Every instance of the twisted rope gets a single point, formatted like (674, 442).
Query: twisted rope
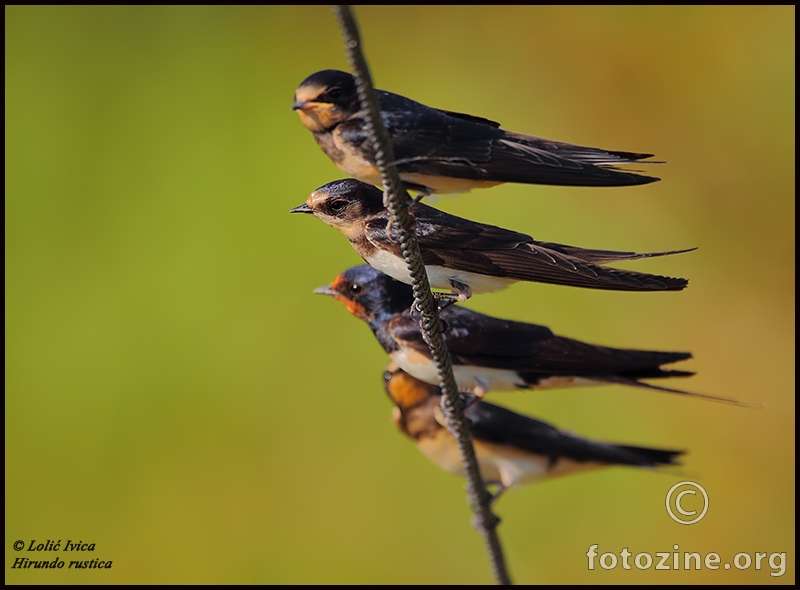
(397, 202)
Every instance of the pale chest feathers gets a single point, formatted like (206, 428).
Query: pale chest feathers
(388, 263)
(469, 377)
(438, 276)
(517, 466)
(349, 159)
(444, 185)
(325, 142)
(498, 463)
(418, 422)
(416, 364)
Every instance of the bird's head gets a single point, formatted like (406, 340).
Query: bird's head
(369, 294)
(325, 99)
(344, 204)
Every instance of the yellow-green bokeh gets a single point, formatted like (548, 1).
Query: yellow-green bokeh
(175, 393)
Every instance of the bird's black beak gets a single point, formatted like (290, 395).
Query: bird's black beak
(298, 104)
(304, 208)
(326, 290)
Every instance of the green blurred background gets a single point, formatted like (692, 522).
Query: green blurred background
(175, 393)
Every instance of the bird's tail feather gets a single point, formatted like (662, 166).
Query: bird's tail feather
(635, 383)
(652, 457)
(605, 256)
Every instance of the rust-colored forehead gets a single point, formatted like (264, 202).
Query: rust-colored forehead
(339, 283)
(342, 287)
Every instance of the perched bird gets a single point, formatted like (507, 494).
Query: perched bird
(440, 151)
(511, 448)
(489, 353)
(468, 257)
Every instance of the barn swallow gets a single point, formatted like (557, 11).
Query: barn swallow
(468, 257)
(490, 353)
(511, 448)
(440, 151)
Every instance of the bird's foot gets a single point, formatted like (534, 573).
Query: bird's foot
(426, 192)
(416, 312)
(462, 291)
(498, 492)
(445, 300)
(417, 315)
(470, 399)
(481, 388)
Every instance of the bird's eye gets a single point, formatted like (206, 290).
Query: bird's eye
(334, 93)
(355, 288)
(338, 205)
(387, 376)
